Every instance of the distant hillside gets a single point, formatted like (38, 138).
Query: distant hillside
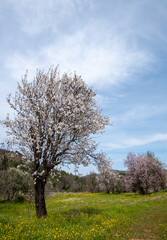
(120, 172)
(13, 159)
(10, 158)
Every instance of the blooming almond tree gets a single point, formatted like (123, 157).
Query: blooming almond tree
(106, 178)
(55, 120)
(144, 173)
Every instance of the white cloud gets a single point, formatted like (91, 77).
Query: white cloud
(17, 64)
(40, 15)
(129, 142)
(104, 101)
(101, 49)
(107, 62)
(111, 62)
(139, 113)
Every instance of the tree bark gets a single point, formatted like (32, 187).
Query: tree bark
(40, 198)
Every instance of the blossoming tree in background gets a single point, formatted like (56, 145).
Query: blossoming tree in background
(145, 173)
(107, 178)
(55, 120)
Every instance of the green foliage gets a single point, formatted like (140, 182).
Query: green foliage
(10, 159)
(89, 216)
(65, 182)
(4, 163)
(13, 181)
(19, 198)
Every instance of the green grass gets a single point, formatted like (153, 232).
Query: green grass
(88, 216)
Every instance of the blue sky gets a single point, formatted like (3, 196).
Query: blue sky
(118, 47)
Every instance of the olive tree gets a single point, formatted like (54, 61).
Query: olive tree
(12, 182)
(90, 183)
(56, 117)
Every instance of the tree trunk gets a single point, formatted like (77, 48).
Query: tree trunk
(108, 190)
(40, 198)
(141, 190)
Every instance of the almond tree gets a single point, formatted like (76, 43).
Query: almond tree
(107, 178)
(144, 173)
(55, 120)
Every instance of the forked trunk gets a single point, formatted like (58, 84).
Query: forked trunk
(40, 198)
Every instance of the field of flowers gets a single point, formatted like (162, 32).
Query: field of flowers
(88, 216)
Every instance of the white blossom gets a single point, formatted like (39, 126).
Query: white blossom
(54, 120)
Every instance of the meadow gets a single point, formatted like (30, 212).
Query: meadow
(88, 216)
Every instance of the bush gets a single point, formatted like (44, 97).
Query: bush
(13, 181)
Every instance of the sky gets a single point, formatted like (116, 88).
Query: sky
(118, 47)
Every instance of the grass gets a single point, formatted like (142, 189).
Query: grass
(88, 216)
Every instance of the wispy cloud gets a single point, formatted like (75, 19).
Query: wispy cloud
(111, 62)
(129, 142)
(103, 52)
(139, 113)
(107, 62)
(17, 64)
(37, 16)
